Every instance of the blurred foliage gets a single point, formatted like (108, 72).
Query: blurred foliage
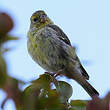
(40, 95)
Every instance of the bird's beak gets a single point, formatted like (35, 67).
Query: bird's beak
(42, 19)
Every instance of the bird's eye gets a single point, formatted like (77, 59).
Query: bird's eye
(35, 19)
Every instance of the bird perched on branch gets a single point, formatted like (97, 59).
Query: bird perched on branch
(50, 47)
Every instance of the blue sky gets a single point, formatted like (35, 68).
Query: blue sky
(87, 24)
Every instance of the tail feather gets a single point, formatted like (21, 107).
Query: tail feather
(89, 88)
(84, 83)
(84, 73)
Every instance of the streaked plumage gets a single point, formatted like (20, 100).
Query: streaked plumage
(50, 47)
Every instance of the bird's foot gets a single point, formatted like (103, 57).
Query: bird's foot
(59, 72)
(50, 73)
(55, 74)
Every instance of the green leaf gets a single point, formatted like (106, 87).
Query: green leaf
(39, 87)
(65, 91)
(9, 37)
(78, 104)
(40, 96)
(44, 81)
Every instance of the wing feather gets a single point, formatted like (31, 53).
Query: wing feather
(61, 35)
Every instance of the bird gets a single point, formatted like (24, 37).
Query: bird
(51, 48)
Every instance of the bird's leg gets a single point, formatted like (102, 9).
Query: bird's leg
(50, 73)
(59, 72)
(55, 74)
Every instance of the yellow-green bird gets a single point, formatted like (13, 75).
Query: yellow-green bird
(50, 47)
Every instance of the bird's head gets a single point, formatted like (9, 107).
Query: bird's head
(39, 19)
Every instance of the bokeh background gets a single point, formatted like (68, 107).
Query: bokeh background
(87, 24)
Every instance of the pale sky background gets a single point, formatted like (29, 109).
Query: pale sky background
(87, 24)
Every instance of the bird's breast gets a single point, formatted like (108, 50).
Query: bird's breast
(47, 51)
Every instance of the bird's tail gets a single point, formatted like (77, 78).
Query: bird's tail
(84, 83)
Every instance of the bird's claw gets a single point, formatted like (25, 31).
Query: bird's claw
(55, 74)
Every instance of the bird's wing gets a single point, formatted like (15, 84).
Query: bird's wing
(83, 71)
(61, 35)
